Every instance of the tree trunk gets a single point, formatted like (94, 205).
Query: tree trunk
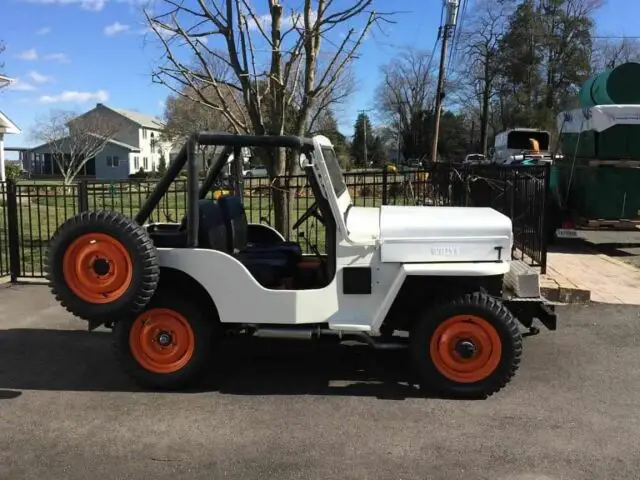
(280, 193)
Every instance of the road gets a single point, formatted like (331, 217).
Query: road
(291, 411)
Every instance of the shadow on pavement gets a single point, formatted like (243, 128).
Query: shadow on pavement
(41, 359)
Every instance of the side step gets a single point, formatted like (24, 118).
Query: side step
(311, 333)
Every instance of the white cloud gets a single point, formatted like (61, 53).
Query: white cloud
(70, 96)
(116, 28)
(58, 57)
(43, 31)
(28, 55)
(39, 77)
(91, 5)
(20, 86)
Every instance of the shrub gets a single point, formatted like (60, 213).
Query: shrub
(139, 174)
(13, 171)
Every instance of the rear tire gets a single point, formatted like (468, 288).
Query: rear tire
(102, 266)
(468, 348)
(169, 345)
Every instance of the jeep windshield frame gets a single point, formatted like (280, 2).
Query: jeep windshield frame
(232, 144)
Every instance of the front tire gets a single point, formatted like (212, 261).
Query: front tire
(468, 348)
(168, 346)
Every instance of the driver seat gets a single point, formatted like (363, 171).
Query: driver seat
(278, 260)
(237, 224)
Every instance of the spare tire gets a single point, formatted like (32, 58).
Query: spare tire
(102, 266)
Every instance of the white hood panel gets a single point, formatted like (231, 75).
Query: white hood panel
(444, 234)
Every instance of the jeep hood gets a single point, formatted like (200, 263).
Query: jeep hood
(444, 234)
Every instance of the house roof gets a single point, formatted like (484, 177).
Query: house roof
(126, 146)
(141, 119)
(7, 126)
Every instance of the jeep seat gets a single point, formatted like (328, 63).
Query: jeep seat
(235, 214)
(284, 256)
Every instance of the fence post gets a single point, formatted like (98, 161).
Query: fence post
(83, 196)
(385, 182)
(545, 219)
(14, 239)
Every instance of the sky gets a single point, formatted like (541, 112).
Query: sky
(72, 54)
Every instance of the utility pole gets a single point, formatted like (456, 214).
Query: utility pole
(450, 25)
(364, 127)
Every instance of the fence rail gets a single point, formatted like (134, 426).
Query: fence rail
(30, 213)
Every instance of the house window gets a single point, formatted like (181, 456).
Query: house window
(109, 161)
(136, 163)
(144, 133)
(145, 163)
(116, 161)
(113, 161)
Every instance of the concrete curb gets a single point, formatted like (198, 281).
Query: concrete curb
(557, 288)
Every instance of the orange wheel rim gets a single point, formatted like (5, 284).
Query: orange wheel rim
(97, 268)
(466, 349)
(161, 340)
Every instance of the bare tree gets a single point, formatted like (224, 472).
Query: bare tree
(480, 44)
(267, 59)
(405, 94)
(609, 53)
(73, 141)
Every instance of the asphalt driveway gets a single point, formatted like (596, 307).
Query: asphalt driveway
(294, 411)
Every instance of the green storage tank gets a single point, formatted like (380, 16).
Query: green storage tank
(603, 193)
(618, 86)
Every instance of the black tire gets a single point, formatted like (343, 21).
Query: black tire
(132, 238)
(495, 316)
(204, 333)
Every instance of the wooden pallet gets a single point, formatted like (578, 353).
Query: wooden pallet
(619, 224)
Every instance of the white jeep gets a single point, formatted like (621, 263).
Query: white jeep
(428, 279)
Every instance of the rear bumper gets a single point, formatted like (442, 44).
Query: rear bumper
(526, 310)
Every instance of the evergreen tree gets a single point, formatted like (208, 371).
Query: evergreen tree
(162, 165)
(362, 133)
(378, 153)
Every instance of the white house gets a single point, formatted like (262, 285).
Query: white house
(6, 127)
(136, 145)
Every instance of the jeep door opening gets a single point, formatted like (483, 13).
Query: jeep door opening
(172, 291)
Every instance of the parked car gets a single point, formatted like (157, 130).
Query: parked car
(256, 172)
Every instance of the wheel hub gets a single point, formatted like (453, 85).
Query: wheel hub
(101, 266)
(466, 349)
(165, 339)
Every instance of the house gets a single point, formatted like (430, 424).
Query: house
(135, 143)
(6, 127)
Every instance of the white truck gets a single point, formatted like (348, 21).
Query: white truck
(428, 279)
(518, 145)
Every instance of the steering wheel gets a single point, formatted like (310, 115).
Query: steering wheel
(312, 211)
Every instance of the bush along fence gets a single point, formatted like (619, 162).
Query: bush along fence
(30, 213)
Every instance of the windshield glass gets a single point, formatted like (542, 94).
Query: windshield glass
(337, 179)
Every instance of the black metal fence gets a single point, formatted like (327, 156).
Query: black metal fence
(30, 212)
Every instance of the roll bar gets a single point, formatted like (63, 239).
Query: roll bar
(187, 156)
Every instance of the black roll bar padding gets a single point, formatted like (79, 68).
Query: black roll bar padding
(238, 187)
(187, 156)
(217, 165)
(192, 194)
(162, 186)
(287, 141)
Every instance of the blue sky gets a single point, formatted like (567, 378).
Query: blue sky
(71, 54)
